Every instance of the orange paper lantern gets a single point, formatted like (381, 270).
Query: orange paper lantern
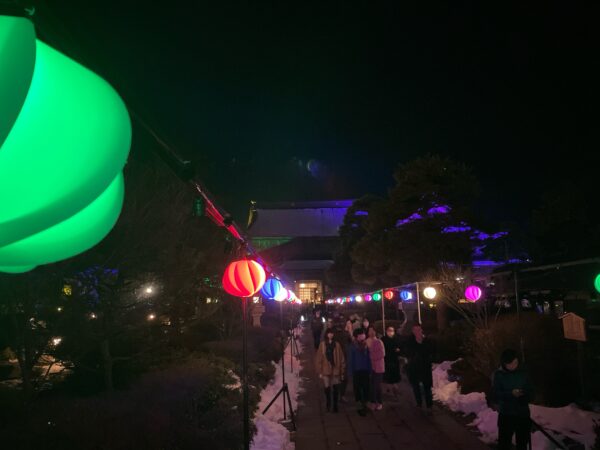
(243, 278)
(389, 295)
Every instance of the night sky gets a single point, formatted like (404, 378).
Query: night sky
(253, 93)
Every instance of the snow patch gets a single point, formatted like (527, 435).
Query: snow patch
(569, 421)
(270, 434)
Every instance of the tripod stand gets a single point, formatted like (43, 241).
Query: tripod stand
(284, 391)
(292, 341)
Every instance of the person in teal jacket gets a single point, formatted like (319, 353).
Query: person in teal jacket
(513, 392)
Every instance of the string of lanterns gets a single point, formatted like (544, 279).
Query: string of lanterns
(472, 293)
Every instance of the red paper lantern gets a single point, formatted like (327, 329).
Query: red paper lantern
(389, 295)
(243, 278)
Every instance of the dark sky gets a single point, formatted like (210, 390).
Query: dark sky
(253, 93)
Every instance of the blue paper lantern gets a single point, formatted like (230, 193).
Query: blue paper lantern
(271, 288)
(406, 295)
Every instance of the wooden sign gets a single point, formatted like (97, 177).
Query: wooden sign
(574, 327)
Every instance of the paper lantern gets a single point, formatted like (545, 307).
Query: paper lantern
(64, 139)
(388, 295)
(368, 297)
(406, 295)
(243, 278)
(281, 295)
(597, 282)
(429, 293)
(271, 288)
(358, 298)
(473, 293)
(376, 296)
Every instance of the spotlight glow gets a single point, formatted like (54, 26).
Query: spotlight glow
(430, 293)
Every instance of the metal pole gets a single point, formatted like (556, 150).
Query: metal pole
(580, 364)
(283, 342)
(383, 311)
(245, 374)
(519, 318)
(418, 303)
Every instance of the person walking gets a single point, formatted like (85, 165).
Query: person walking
(317, 328)
(330, 364)
(377, 355)
(344, 337)
(392, 346)
(513, 392)
(419, 352)
(360, 366)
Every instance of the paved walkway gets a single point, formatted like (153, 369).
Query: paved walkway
(400, 425)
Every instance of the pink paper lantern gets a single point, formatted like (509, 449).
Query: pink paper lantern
(473, 293)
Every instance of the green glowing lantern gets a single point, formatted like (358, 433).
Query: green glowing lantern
(377, 296)
(64, 139)
(597, 282)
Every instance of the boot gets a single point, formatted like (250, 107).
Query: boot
(335, 398)
(328, 397)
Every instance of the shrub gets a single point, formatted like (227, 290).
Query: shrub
(177, 408)
(549, 358)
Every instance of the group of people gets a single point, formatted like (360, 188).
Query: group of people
(353, 350)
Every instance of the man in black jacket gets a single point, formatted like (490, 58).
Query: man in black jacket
(513, 392)
(419, 352)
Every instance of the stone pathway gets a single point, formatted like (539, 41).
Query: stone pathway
(400, 425)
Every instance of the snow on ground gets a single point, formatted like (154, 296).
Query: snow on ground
(270, 435)
(567, 421)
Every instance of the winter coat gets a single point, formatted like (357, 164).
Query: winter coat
(392, 363)
(391, 344)
(324, 367)
(377, 354)
(359, 358)
(419, 360)
(503, 384)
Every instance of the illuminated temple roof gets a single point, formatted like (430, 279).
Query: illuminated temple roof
(297, 219)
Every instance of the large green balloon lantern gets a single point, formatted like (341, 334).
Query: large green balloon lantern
(64, 139)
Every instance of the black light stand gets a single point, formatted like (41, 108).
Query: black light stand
(284, 391)
(245, 373)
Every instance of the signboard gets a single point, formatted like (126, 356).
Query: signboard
(574, 327)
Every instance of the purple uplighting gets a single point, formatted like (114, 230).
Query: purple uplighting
(412, 218)
(444, 209)
(454, 229)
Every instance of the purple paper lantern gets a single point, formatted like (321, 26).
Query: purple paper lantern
(473, 293)
(368, 297)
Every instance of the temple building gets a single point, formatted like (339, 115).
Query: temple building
(299, 239)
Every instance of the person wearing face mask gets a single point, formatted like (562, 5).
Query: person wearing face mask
(330, 365)
(419, 353)
(360, 365)
(391, 343)
(513, 392)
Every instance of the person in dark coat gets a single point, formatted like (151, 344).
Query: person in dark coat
(392, 352)
(513, 392)
(317, 328)
(419, 352)
(360, 365)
